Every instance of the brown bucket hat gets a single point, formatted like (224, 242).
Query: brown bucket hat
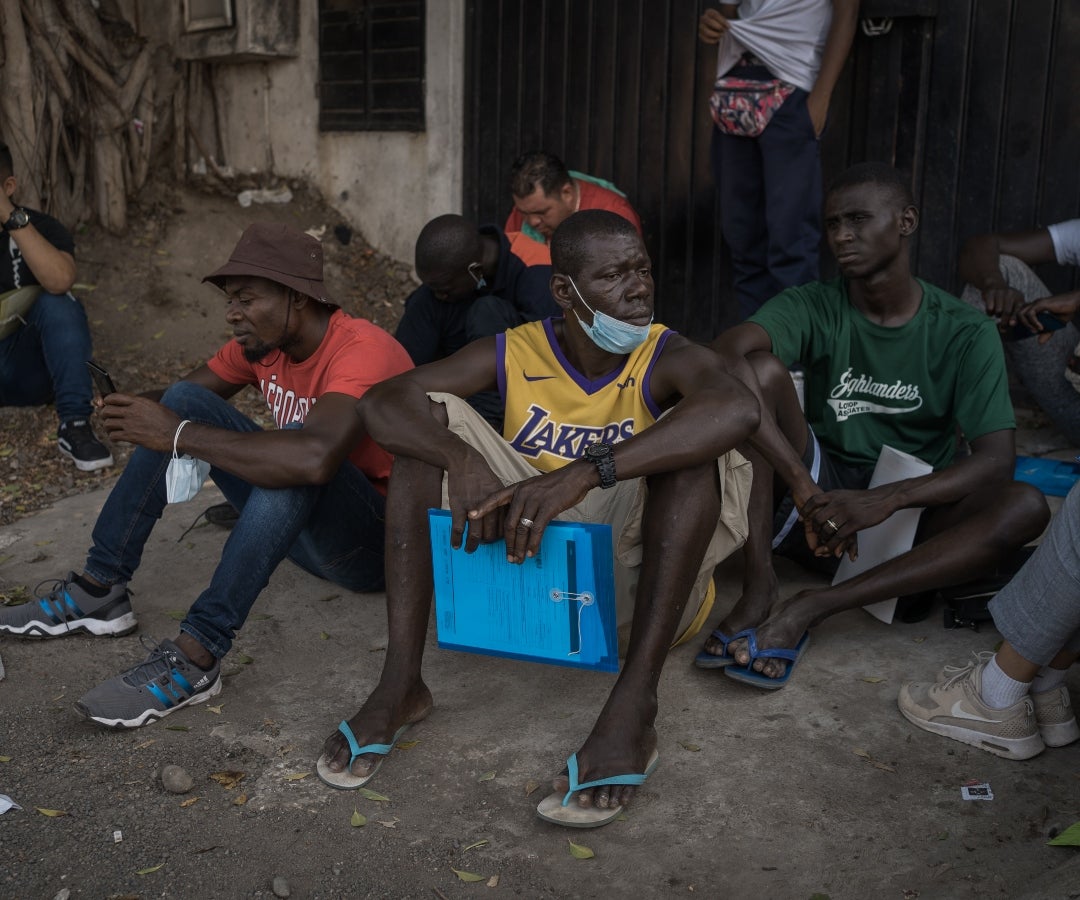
(281, 254)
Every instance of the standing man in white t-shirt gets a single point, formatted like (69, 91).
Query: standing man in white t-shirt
(777, 64)
(999, 280)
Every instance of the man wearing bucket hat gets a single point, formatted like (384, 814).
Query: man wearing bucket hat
(312, 490)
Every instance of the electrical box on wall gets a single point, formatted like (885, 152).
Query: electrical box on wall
(239, 30)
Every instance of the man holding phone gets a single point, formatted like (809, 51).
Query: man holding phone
(44, 335)
(312, 490)
(1000, 281)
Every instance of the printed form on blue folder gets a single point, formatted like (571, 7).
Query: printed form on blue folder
(557, 607)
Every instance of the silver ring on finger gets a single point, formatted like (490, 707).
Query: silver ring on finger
(526, 522)
(835, 528)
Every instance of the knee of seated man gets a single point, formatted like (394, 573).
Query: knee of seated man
(182, 396)
(62, 309)
(1021, 512)
(770, 372)
(1029, 505)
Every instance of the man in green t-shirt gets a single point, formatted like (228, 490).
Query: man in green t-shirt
(889, 359)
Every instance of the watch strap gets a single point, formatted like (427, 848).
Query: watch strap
(603, 458)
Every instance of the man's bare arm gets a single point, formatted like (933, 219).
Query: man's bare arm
(713, 24)
(54, 269)
(980, 266)
(992, 460)
(733, 347)
(396, 413)
(311, 455)
(980, 258)
(712, 413)
(845, 15)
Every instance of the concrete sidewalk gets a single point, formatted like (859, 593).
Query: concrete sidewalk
(820, 789)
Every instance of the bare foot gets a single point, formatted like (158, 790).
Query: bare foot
(621, 743)
(749, 611)
(783, 628)
(378, 720)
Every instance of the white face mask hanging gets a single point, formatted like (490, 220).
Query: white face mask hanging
(185, 475)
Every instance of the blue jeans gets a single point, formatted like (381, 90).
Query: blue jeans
(770, 201)
(1038, 612)
(46, 359)
(335, 531)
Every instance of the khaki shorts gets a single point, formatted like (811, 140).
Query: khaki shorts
(621, 507)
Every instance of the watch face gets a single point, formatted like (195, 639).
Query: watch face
(19, 218)
(597, 451)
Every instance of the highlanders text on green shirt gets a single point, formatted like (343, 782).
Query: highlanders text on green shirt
(908, 387)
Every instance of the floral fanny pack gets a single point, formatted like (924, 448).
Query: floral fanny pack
(743, 106)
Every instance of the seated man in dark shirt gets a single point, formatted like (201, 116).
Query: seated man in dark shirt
(44, 341)
(474, 287)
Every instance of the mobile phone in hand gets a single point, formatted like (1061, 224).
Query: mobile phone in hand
(1019, 331)
(101, 378)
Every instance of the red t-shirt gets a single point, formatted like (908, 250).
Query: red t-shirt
(354, 355)
(593, 196)
(530, 252)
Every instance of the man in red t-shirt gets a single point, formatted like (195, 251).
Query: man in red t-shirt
(545, 193)
(312, 489)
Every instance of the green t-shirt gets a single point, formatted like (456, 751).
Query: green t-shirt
(908, 387)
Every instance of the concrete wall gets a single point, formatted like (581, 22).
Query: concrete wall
(387, 183)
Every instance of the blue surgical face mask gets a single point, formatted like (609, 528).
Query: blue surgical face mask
(609, 333)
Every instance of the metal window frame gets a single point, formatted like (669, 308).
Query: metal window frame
(369, 121)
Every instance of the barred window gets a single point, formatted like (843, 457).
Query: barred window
(371, 65)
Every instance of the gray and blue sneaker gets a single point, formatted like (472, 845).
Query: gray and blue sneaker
(68, 609)
(163, 683)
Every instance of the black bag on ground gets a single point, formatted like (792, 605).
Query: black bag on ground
(965, 605)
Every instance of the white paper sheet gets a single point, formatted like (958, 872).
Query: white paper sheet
(892, 537)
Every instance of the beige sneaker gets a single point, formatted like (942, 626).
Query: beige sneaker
(1054, 716)
(1053, 708)
(954, 708)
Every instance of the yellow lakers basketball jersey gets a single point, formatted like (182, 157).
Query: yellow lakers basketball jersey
(553, 412)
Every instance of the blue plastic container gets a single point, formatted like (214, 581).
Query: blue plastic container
(1051, 476)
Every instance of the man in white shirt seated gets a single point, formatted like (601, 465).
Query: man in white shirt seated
(999, 280)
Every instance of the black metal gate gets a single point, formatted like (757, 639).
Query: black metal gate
(979, 100)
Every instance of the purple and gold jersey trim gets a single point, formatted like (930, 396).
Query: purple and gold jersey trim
(553, 411)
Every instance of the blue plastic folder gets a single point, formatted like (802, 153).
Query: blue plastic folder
(557, 607)
(1051, 476)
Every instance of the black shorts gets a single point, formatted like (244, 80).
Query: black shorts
(789, 537)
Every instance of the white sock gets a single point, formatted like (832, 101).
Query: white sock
(998, 689)
(1047, 679)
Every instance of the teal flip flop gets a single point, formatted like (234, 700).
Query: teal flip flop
(345, 780)
(556, 807)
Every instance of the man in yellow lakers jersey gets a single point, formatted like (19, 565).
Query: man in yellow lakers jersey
(609, 418)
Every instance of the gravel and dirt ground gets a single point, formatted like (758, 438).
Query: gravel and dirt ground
(819, 791)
